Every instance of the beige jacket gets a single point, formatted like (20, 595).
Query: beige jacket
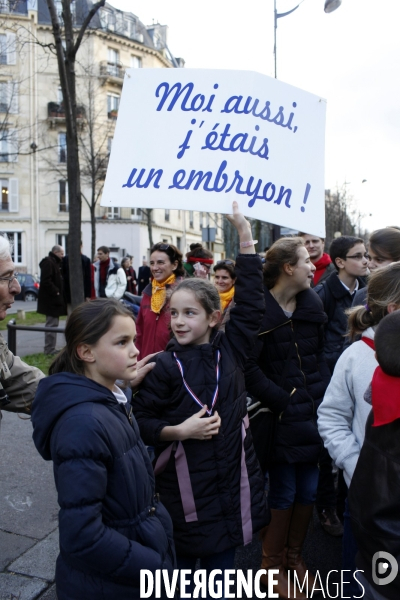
(18, 379)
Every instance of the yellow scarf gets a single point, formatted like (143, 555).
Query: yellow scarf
(226, 298)
(159, 293)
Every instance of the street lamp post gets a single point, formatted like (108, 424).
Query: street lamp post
(330, 6)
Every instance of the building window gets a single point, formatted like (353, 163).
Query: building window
(15, 238)
(178, 242)
(4, 147)
(112, 105)
(9, 97)
(4, 206)
(60, 98)
(8, 145)
(191, 224)
(113, 64)
(113, 212)
(62, 240)
(136, 62)
(166, 217)
(136, 214)
(3, 96)
(7, 49)
(9, 195)
(63, 196)
(62, 147)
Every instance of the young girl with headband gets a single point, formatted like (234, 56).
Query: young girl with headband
(192, 408)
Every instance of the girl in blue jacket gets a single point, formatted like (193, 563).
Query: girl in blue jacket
(111, 523)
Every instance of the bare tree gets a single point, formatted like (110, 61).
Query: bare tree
(66, 60)
(94, 145)
(341, 214)
(148, 213)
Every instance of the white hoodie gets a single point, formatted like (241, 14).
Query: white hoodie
(343, 412)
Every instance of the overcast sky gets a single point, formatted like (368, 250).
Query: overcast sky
(350, 57)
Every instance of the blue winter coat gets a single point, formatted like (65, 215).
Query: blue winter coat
(111, 523)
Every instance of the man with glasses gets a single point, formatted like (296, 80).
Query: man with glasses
(350, 259)
(18, 381)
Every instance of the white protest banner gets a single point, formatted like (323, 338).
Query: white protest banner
(197, 139)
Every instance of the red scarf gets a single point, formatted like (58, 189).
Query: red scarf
(320, 267)
(385, 398)
(104, 270)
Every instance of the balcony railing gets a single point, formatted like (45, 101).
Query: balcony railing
(57, 111)
(109, 69)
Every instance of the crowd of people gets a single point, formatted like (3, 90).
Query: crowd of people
(309, 337)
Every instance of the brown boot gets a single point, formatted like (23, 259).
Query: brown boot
(301, 517)
(274, 538)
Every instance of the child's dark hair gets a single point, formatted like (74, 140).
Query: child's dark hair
(173, 254)
(281, 252)
(87, 323)
(386, 243)
(227, 265)
(340, 247)
(383, 289)
(387, 341)
(205, 293)
(197, 251)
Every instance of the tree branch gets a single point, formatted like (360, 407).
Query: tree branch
(85, 24)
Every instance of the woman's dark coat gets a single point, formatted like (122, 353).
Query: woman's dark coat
(51, 300)
(374, 500)
(111, 523)
(214, 465)
(296, 399)
(336, 299)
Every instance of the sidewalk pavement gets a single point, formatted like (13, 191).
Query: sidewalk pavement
(28, 515)
(28, 499)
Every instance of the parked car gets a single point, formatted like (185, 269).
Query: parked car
(29, 287)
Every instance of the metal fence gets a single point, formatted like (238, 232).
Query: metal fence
(12, 329)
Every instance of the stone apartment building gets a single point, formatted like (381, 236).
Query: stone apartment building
(34, 188)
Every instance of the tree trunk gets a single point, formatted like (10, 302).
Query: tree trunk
(93, 229)
(66, 66)
(149, 214)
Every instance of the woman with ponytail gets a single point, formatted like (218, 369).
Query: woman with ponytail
(288, 374)
(343, 413)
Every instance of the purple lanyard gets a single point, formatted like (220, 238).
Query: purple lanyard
(191, 392)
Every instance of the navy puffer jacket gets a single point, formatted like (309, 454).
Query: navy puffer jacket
(336, 299)
(111, 523)
(214, 465)
(296, 397)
